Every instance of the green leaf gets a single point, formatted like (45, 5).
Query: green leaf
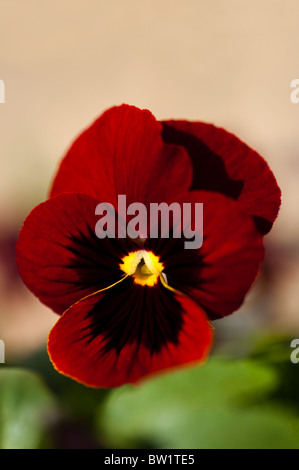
(78, 401)
(25, 408)
(219, 405)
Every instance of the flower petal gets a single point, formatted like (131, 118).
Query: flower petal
(122, 152)
(223, 163)
(60, 258)
(130, 331)
(219, 273)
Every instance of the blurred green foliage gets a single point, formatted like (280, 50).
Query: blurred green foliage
(227, 403)
(219, 405)
(26, 410)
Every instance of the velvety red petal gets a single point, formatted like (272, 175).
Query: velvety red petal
(219, 273)
(122, 152)
(223, 163)
(128, 332)
(59, 256)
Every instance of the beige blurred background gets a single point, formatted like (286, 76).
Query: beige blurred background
(228, 62)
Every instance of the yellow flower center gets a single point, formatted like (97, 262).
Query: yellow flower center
(144, 266)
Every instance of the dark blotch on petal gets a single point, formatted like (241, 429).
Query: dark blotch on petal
(134, 314)
(205, 163)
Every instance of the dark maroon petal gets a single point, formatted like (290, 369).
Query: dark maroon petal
(122, 152)
(223, 163)
(59, 256)
(219, 273)
(128, 332)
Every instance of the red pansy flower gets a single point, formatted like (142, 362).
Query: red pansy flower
(129, 307)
